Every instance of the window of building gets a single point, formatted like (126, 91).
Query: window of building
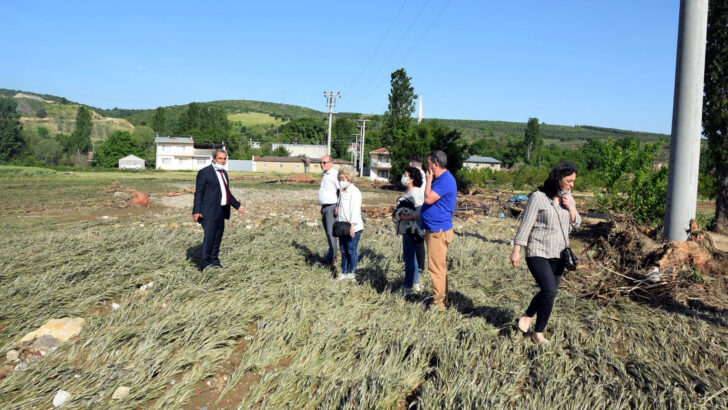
(200, 161)
(383, 173)
(166, 161)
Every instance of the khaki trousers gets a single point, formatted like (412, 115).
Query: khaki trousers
(437, 243)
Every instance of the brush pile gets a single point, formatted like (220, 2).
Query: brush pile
(630, 260)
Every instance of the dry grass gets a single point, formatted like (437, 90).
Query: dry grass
(313, 342)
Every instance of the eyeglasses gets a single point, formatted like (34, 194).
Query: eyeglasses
(324, 162)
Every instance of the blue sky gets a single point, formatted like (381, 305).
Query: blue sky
(601, 63)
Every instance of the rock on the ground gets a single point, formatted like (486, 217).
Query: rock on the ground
(44, 344)
(120, 393)
(12, 355)
(62, 329)
(60, 398)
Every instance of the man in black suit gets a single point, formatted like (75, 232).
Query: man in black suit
(212, 206)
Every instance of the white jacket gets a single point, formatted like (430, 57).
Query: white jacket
(350, 208)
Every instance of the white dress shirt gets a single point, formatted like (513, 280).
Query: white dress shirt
(221, 179)
(329, 186)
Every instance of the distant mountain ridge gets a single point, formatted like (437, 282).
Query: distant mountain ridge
(30, 103)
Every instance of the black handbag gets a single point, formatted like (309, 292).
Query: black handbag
(567, 255)
(570, 260)
(341, 228)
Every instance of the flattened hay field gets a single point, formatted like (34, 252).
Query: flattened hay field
(275, 330)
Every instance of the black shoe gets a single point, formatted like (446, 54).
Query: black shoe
(218, 266)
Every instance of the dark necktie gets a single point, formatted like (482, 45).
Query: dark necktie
(227, 190)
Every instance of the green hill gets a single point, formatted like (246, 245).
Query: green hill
(564, 135)
(60, 117)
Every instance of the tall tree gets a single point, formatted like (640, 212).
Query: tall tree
(303, 131)
(117, 146)
(715, 105)
(12, 144)
(532, 140)
(205, 124)
(398, 118)
(343, 130)
(159, 122)
(80, 140)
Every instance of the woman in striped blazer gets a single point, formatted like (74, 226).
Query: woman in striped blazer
(549, 216)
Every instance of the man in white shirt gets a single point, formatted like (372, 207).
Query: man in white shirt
(327, 199)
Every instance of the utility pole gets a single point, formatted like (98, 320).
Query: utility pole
(687, 110)
(355, 154)
(361, 152)
(331, 103)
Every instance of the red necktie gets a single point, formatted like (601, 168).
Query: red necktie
(227, 190)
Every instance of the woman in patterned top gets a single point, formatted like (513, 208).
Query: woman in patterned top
(549, 216)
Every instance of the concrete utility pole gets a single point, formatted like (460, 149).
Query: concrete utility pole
(355, 154)
(331, 103)
(361, 151)
(687, 110)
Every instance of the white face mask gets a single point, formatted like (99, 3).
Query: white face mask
(217, 166)
(403, 181)
(344, 184)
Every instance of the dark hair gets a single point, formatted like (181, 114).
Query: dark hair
(439, 158)
(416, 158)
(552, 185)
(416, 176)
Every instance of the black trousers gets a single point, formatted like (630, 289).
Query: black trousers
(211, 244)
(420, 254)
(547, 273)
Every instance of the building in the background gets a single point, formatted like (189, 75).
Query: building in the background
(132, 162)
(379, 165)
(181, 153)
(288, 165)
(475, 162)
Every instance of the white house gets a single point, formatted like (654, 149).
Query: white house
(180, 153)
(131, 162)
(475, 162)
(379, 165)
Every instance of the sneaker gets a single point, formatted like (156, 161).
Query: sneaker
(346, 276)
(417, 288)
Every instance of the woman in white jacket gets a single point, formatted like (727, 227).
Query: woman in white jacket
(349, 210)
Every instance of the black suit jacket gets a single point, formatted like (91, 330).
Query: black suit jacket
(208, 195)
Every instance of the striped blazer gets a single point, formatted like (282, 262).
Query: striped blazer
(540, 232)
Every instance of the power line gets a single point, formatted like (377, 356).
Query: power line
(411, 49)
(381, 66)
(381, 41)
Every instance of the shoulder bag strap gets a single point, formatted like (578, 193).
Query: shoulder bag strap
(558, 218)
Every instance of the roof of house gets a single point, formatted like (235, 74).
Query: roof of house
(131, 158)
(184, 140)
(486, 160)
(380, 151)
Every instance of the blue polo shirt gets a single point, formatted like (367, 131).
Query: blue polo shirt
(438, 216)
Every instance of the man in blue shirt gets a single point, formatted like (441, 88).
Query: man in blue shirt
(441, 194)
